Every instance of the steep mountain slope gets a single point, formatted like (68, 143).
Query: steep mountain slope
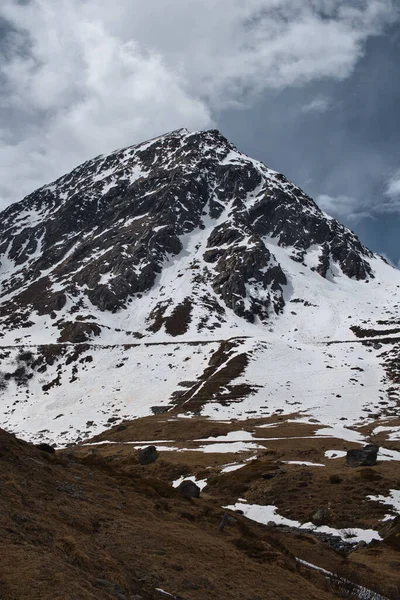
(101, 234)
(182, 275)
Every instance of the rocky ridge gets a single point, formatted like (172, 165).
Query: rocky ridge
(100, 235)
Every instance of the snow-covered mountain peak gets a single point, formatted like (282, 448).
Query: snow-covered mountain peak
(102, 235)
(179, 272)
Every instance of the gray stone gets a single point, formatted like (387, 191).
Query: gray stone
(189, 489)
(147, 455)
(321, 517)
(364, 457)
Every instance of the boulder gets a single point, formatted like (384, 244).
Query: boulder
(365, 457)
(390, 532)
(45, 448)
(321, 517)
(78, 332)
(147, 455)
(189, 489)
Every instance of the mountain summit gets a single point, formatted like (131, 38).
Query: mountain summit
(179, 240)
(104, 233)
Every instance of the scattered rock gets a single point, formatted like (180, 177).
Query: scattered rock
(226, 520)
(159, 410)
(71, 489)
(365, 457)
(321, 517)
(390, 532)
(147, 455)
(189, 489)
(45, 448)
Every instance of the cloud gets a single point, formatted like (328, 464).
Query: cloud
(320, 104)
(393, 187)
(81, 77)
(390, 202)
(351, 208)
(341, 206)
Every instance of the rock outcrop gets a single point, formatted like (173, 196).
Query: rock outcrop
(365, 457)
(189, 489)
(147, 455)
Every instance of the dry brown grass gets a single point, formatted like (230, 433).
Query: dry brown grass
(297, 490)
(68, 523)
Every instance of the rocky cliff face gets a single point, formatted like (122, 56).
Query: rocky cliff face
(102, 234)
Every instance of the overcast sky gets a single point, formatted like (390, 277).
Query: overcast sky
(310, 87)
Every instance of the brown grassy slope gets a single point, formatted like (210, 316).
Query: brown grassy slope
(297, 490)
(74, 531)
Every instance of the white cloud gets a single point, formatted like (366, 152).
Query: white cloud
(339, 206)
(320, 104)
(81, 77)
(393, 187)
(391, 200)
(349, 208)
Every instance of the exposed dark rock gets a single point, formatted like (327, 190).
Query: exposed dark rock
(365, 457)
(269, 475)
(57, 302)
(159, 410)
(104, 298)
(390, 532)
(147, 455)
(45, 448)
(189, 489)
(241, 268)
(78, 332)
(324, 261)
(321, 517)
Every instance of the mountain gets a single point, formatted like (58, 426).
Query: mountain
(181, 275)
(101, 235)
